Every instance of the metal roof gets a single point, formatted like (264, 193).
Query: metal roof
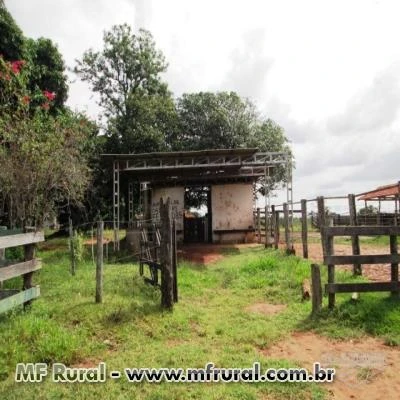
(387, 192)
(190, 167)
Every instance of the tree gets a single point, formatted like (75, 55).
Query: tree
(225, 120)
(214, 121)
(128, 64)
(368, 210)
(139, 109)
(47, 71)
(12, 41)
(43, 157)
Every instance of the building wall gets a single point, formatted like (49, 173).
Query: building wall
(177, 196)
(232, 208)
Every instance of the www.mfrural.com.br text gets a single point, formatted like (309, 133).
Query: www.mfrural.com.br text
(60, 373)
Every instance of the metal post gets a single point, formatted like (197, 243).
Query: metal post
(99, 263)
(289, 200)
(130, 204)
(116, 205)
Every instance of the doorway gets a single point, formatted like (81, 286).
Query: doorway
(197, 217)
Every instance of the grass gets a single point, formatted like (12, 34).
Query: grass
(209, 323)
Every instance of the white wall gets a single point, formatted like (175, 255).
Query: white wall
(232, 208)
(177, 196)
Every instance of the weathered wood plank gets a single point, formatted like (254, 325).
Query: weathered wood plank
(304, 231)
(277, 229)
(286, 223)
(316, 289)
(361, 230)
(362, 259)
(11, 271)
(362, 287)
(355, 241)
(395, 264)
(259, 225)
(167, 279)
(20, 298)
(21, 239)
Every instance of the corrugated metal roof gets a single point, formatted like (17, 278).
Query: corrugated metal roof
(382, 192)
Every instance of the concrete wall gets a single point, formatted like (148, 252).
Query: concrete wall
(177, 196)
(232, 208)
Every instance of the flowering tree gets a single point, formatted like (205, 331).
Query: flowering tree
(42, 157)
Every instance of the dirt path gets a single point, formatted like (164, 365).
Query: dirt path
(209, 253)
(365, 369)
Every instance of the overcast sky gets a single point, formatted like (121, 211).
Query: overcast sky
(327, 71)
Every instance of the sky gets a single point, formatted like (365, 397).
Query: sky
(327, 71)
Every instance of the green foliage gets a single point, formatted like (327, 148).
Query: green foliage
(12, 41)
(47, 70)
(78, 248)
(127, 64)
(15, 253)
(42, 163)
(368, 210)
(224, 120)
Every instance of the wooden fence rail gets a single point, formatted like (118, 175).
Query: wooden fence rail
(330, 259)
(10, 298)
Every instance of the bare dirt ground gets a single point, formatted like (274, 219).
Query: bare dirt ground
(365, 369)
(205, 254)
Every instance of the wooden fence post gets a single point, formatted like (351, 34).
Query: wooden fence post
(394, 266)
(29, 254)
(286, 223)
(304, 228)
(167, 280)
(259, 224)
(355, 241)
(266, 227)
(316, 289)
(277, 229)
(175, 261)
(327, 246)
(71, 247)
(99, 263)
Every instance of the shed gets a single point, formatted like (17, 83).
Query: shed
(226, 177)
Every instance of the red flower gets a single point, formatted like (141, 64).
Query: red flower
(16, 66)
(49, 95)
(26, 99)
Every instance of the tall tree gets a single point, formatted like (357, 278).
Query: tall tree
(12, 41)
(138, 107)
(47, 71)
(225, 120)
(43, 158)
(213, 120)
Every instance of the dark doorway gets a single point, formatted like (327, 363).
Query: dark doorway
(197, 217)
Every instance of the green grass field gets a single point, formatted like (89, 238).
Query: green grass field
(210, 323)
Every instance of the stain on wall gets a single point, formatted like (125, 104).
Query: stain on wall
(232, 208)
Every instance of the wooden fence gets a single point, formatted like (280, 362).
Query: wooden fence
(268, 223)
(328, 233)
(159, 252)
(10, 298)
